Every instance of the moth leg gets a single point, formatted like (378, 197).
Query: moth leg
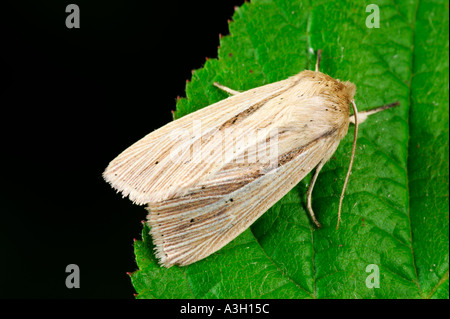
(309, 193)
(226, 89)
(319, 57)
(363, 115)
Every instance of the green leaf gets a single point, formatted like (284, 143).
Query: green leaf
(395, 213)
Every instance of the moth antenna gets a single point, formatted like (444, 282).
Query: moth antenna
(355, 137)
(319, 57)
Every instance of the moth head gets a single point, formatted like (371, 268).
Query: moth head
(348, 91)
(344, 92)
(341, 92)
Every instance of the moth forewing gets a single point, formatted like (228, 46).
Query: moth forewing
(196, 206)
(146, 171)
(190, 227)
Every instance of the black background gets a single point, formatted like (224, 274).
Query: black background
(71, 100)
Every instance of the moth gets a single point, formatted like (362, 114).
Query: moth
(207, 176)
